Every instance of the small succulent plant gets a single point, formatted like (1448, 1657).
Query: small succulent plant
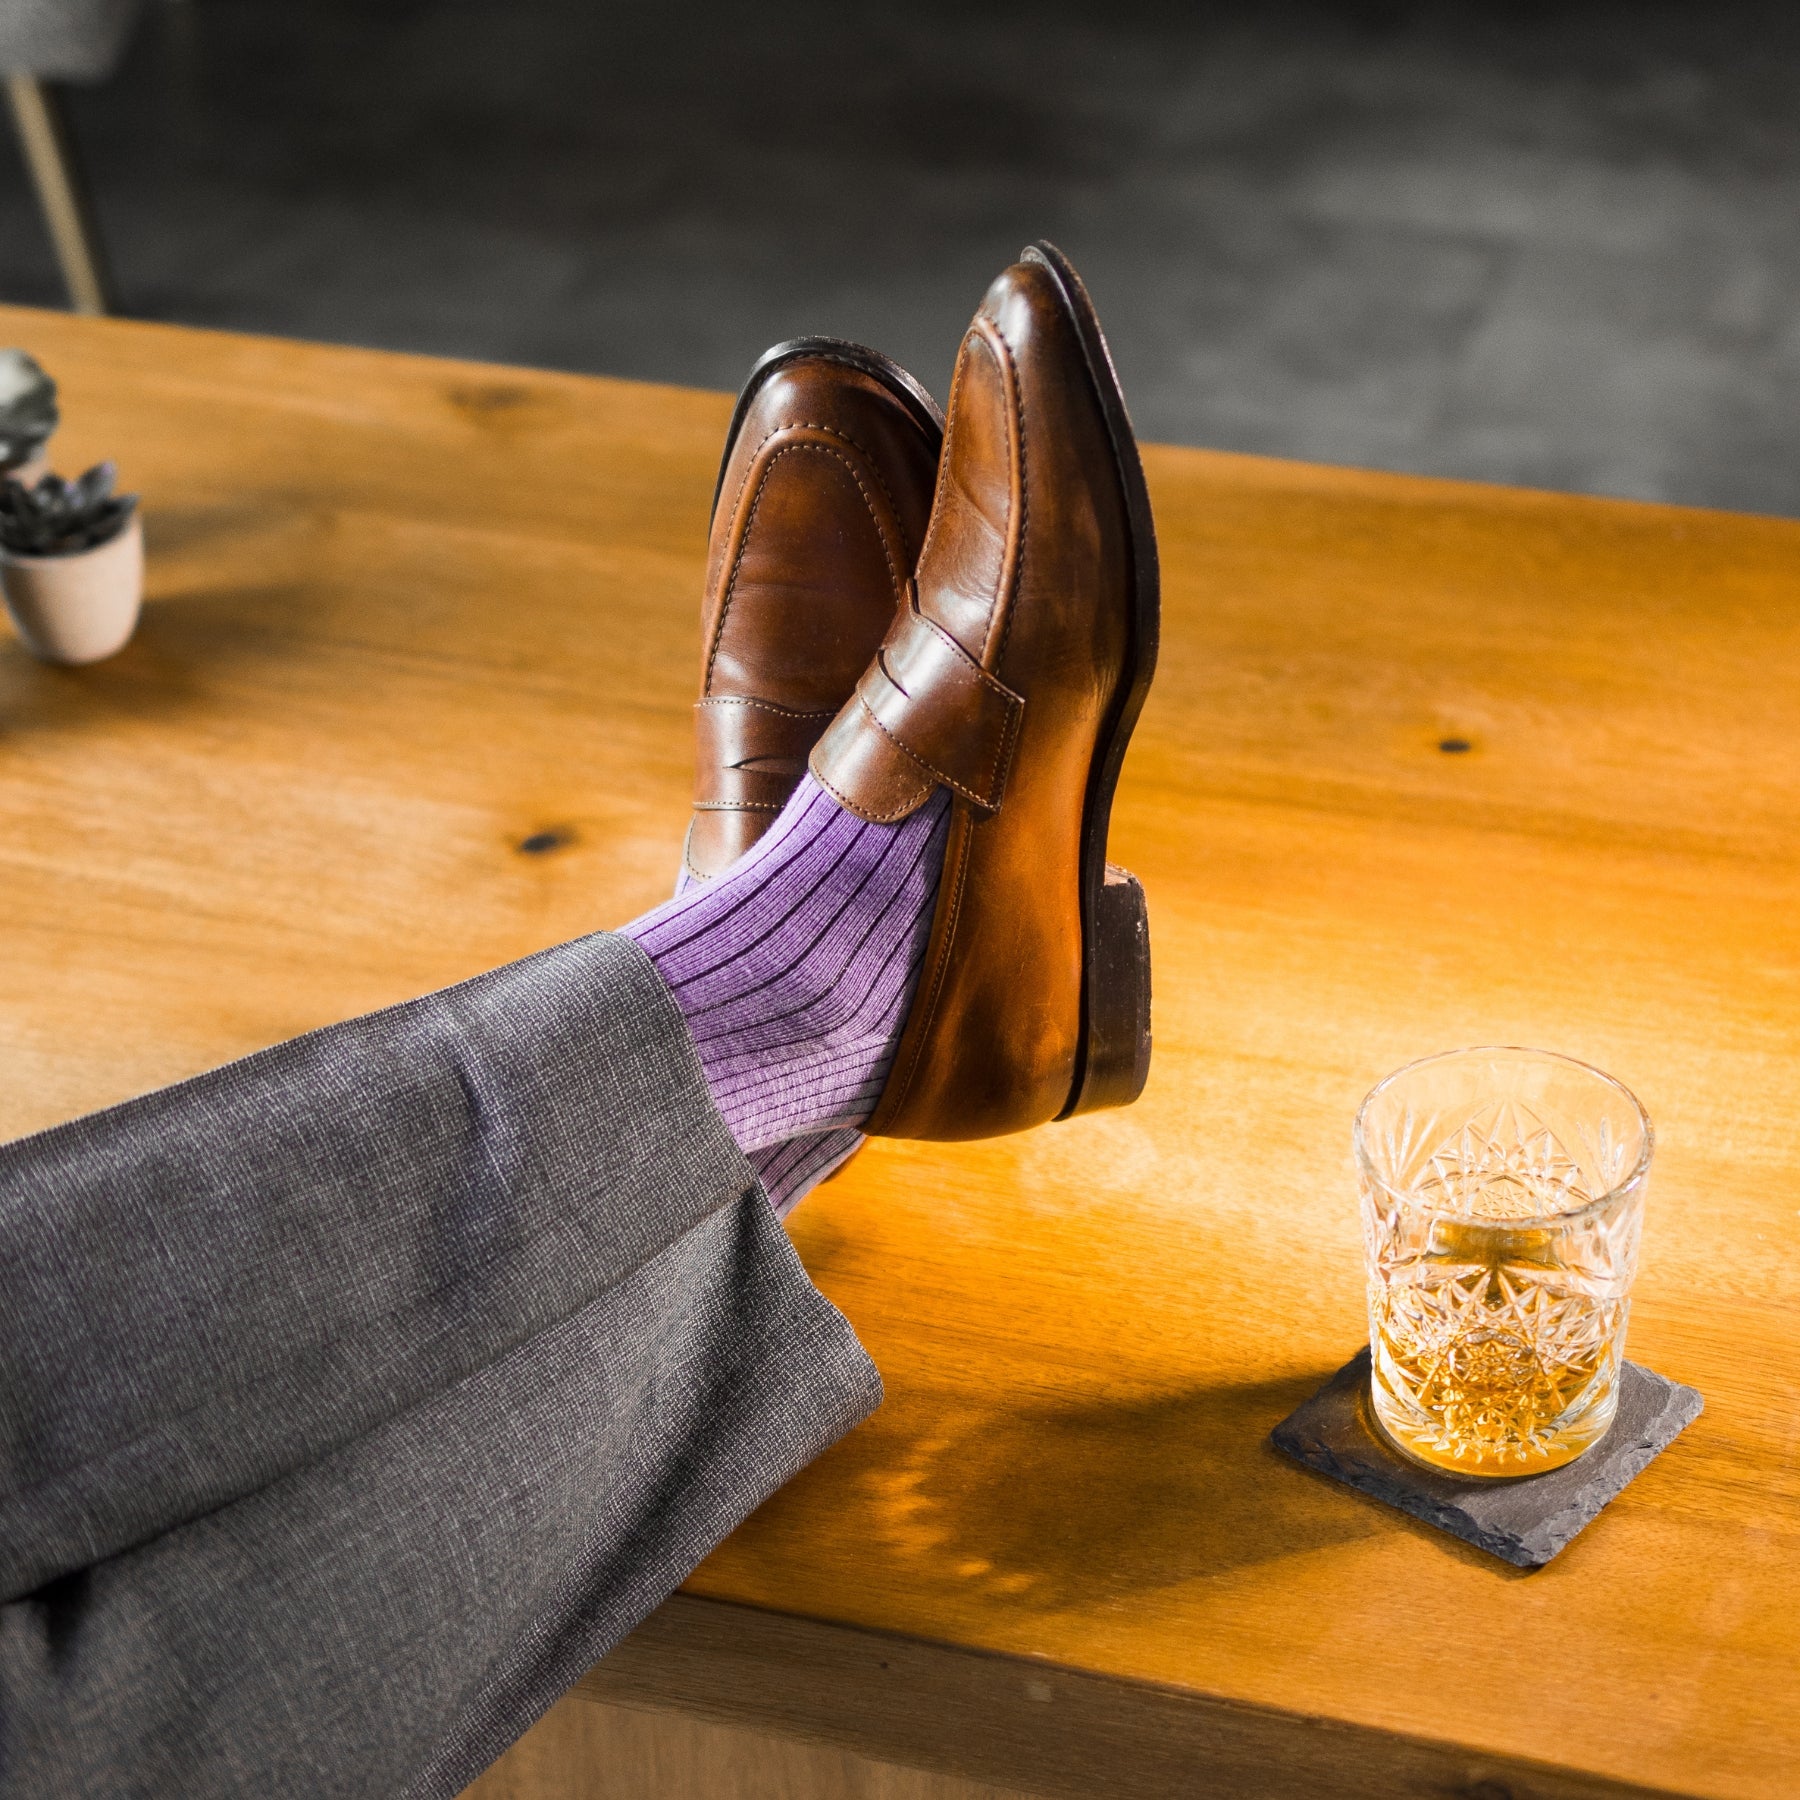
(27, 408)
(62, 518)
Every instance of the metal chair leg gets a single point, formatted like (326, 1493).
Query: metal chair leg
(49, 154)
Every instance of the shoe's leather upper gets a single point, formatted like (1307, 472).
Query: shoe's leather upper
(821, 511)
(996, 682)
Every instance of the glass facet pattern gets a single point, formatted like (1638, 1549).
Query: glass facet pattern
(1502, 1203)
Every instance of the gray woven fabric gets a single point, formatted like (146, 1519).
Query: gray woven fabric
(355, 1397)
(64, 40)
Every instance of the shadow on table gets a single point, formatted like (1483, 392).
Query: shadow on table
(183, 652)
(1090, 1505)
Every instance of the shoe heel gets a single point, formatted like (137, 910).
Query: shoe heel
(1116, 1055)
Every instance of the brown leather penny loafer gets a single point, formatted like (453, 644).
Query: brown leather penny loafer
(1014, 677)
(819, 512)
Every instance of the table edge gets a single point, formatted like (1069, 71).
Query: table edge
(1038, 1726)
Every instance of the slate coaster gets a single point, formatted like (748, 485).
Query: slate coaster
(1524, 1522)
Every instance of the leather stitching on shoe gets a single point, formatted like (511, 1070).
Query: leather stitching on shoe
(988, 688)
(1017, 571)
(896, 580)
(862, 812)
(933, 777)
(768, 706)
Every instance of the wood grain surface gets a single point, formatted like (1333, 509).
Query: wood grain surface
(411, 698)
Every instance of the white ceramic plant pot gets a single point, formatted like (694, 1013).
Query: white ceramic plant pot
(77, 608)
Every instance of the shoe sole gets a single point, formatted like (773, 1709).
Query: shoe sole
(925, 411)
(1113, 1050)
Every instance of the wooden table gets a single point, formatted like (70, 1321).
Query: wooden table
(410, 699)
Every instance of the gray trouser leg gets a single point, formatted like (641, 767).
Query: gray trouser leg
(354, 1397)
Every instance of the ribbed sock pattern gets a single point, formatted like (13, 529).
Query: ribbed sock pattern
(795, 967)
(791, 1170)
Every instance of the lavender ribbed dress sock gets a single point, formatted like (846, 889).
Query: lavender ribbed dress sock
(795, 969)
(792, 1169)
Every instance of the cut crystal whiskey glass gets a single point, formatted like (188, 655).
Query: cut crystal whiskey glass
(1502, 1203)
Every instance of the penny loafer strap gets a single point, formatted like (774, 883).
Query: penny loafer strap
(939, 705)
(751, 752)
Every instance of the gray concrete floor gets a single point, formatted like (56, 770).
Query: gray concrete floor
(1551, 244)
